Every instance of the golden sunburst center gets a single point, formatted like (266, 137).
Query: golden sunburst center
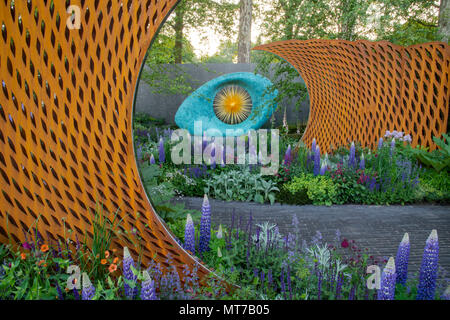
(232, 104)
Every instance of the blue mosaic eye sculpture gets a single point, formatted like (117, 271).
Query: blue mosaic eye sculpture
(231, 105)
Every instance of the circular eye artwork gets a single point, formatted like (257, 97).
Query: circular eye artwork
(229, 105)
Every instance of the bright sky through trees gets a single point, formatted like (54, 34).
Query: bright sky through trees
(206, 41)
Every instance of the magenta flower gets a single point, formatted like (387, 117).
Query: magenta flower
(26, 245)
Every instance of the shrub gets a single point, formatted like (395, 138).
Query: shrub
(320, 189)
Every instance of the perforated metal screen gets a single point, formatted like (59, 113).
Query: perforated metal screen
(65, 120)
(360, 89)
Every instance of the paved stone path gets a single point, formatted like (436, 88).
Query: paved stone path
(378, 228)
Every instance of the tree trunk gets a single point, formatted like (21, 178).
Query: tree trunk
(179, 25)
(444, 20)
(245, 31)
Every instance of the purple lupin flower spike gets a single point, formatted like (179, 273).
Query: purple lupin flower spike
(139, 153)
(380, 143)
(392, 146)
(323, 169)
(387, 285)
(213, 156)
(76, 295)
(446, 294)
(152, 159)
(429, 268)
(362, 163)
(313, 146)
(352, 159)
(340, 280)
(60, 293)
(319, 286)
(128, 274)
(401, 261)
(205, 226)
(317, 161)
(162, 153)
(269, 279)
(288, 156)
(148, 291)
(88, 290)
(189, 235)
(289, 282)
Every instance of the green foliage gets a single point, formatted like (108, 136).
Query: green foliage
(320, 189)
(104, 230)
(407, 22)
(435, 186)
(144, 120)
(438, 159)
(161, 193)
(241, 186)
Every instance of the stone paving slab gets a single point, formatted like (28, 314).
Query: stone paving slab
(378, 228)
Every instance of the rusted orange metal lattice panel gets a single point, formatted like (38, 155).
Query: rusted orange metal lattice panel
(65, 120)
(360, 89)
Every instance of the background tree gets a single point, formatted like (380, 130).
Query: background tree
(403, 22)
(172, 47)
(444, 20)
(245, 31)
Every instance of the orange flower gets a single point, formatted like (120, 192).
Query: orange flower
(23, 256)
(103, 261)
(106, 254)
(112, 268)
(116, 259)
(44, 248)
(41, 262)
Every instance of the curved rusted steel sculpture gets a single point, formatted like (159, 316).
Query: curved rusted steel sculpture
(360, 89)
(66, 139)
